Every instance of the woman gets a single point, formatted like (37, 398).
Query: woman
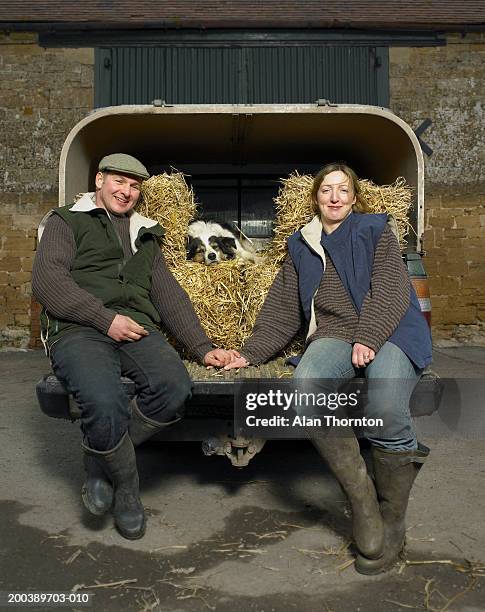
(345, 279)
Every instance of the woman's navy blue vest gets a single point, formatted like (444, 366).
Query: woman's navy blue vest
(351, 247)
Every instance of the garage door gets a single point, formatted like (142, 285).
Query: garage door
(265, 75)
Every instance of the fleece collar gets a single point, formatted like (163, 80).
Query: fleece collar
(312, 235)
(87, 203)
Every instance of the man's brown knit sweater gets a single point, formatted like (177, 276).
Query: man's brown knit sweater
(55, 288)
(281, 316)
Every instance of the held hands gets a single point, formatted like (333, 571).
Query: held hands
(239, 362)
(220, 358)
(123, 328)
(362, 355)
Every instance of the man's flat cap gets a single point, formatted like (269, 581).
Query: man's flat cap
(124, 164)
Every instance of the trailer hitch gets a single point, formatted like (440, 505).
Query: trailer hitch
(238, 450)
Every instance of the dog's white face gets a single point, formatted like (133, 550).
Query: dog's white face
(209, 242)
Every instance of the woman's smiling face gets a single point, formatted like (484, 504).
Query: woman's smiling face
(335, 198)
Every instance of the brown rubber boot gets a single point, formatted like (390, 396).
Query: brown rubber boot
(395, 473)
(119, 464)
(344, 459)
(141, 427)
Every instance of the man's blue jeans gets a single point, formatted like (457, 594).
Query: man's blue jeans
(391, 378)
(90, 365)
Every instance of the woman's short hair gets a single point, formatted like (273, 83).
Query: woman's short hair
(361, 205)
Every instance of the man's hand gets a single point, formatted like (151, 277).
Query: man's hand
(239, 362)
(124, 328)
(362, 355)
(220, 357)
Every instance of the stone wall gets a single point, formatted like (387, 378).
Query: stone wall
(447, 84)
(43, 94)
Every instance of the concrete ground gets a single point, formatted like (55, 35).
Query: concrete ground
(270, 537)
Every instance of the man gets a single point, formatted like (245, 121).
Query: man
(105, 287)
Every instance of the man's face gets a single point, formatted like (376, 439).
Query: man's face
(117, 193)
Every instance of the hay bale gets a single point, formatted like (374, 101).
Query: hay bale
(169, 200)
(257, 279)
(217, 294)
(293, 210)
(394, 199)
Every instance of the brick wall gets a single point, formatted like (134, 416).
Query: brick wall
(447, 84)
(43, 94)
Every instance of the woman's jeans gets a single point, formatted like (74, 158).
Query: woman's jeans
(391, 378)
(90, 364)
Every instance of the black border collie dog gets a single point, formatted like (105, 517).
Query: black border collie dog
(210, 242)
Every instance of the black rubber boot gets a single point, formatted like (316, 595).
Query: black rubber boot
(141, 427)
(395, 473)
(120, 466)
(97, 490)
(344, 459)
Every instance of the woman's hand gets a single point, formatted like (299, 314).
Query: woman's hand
(220, 357)
(239, 362)
(362, 355)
